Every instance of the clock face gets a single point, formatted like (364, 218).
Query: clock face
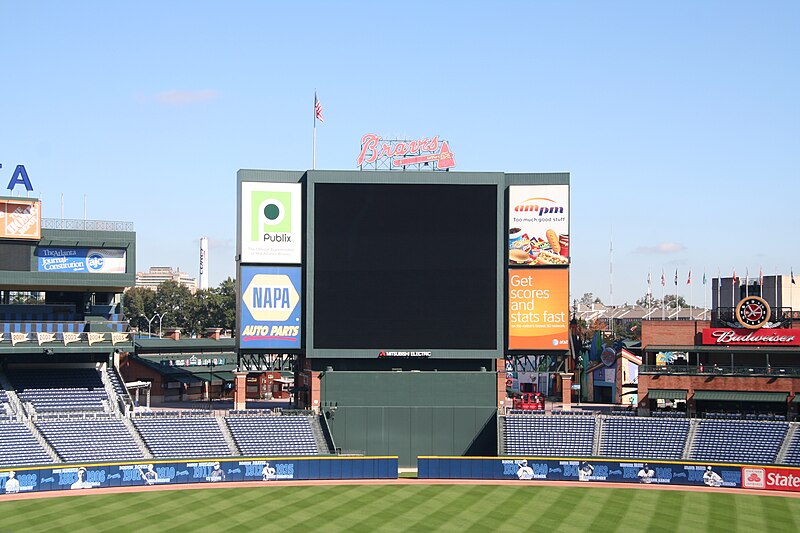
(752, 312)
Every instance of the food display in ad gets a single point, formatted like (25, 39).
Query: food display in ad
(538, 225)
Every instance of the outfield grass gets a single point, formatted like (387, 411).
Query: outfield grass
(354, 508)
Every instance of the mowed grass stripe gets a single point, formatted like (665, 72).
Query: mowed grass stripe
(664, 516)
(404, 508)
(441, 502)
(777, 515)
(329, 506)
(469, 506)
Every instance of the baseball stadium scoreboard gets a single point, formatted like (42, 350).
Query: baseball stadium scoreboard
(354, 264)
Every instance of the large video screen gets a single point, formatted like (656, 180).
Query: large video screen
(401, 266)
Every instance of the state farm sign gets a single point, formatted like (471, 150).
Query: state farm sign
(771, 478)
(749, 337)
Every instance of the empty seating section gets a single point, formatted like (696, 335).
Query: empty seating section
(643, 438)
(273, 435)
(67, 390)
(793, 452)
(170, 437)
(19, 447)
(738, 441)
(567, 436)
(78, 440)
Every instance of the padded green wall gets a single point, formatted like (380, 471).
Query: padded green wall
(412, 413)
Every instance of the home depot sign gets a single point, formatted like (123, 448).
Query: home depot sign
(429, 151)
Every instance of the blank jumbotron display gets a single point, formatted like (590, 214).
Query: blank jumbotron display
(405, 266)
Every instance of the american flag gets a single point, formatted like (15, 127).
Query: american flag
(318, 109)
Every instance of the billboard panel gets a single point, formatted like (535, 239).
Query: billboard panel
(83, 260)
(538, 225)
(271, 222)
(538, 309)
(20, 219)
(270, 307)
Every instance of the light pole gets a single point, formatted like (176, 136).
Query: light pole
(149, 321)
(160, 317)
(210, 377)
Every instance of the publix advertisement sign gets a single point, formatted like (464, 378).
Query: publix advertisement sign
(270, 307)
(82, 260)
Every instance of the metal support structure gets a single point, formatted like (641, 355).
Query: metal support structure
(262, 362)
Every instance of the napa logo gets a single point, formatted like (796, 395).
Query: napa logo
(271, 297)
(271, 216)
(540, 206)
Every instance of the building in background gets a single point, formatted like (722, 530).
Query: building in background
(203, 270)
(158, 275)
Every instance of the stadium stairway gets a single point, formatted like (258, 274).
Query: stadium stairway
(319, 435)
(787, 442)
(687, 448)
(42, 441)
(146, 453)
(226, 434)
(599, 434)
(113, 397)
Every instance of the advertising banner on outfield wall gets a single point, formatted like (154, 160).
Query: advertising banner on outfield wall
(271, 222)
(538, 309)
(538, 225)
(81, 260)
(270, 307)
(584, 470)
(77, 477)
(771, 478)
(20, 219)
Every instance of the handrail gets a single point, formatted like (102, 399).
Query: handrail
(711, 370)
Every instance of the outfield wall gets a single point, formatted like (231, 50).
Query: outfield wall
(615, 471)
(74, 476)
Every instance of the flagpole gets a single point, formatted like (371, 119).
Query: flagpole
(705, 293)
(314, 112)
(691, 291)
(663, 304)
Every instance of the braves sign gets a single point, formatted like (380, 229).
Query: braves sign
(402, 153)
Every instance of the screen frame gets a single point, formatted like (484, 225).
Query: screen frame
(404, 178)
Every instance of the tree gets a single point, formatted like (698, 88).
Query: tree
(670, 301)
(588, 299)
(179, 308)
(648, 302)
(138, 304)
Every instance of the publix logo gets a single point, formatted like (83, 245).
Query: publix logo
(95, 262)
(271, 218)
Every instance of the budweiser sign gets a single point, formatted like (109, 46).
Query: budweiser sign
(428, 151)
(749, 337)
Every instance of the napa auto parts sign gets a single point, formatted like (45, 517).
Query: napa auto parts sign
(430, 152)
(270, 307)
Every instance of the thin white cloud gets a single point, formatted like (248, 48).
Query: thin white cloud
(176, 98)
(661, 248)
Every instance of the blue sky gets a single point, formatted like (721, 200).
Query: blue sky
(678, 121)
